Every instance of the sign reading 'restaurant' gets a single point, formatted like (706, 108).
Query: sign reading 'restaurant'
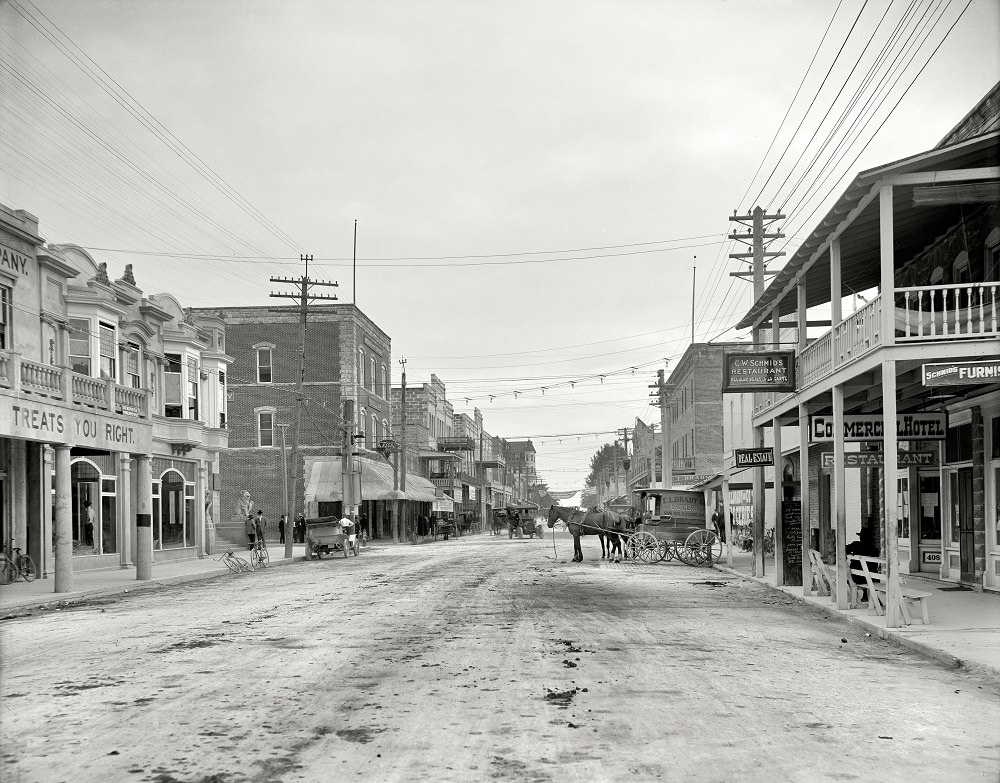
(876, 459)
(754, 458)
(747, 372)
(909, 426)
(961, 373)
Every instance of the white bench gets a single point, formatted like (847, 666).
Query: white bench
(824, 581)
(873, 570)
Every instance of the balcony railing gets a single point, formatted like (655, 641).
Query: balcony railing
(61, 383)
(930, 313)
(462, 443)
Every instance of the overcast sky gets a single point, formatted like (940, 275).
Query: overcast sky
(532, 182)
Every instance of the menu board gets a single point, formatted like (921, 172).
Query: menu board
(791, 541)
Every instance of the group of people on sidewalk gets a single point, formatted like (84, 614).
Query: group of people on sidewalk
(256, 528)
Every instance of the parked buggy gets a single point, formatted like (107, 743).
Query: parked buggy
(671, 523)
(326, 535)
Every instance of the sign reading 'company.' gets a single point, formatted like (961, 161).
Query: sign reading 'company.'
(909, 426)
(770, 371)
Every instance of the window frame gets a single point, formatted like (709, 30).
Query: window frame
(269, 350)
(6, 323)
(73, 328)
(271, 413)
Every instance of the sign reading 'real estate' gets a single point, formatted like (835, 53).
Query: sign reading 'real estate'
(961, 373)
(747, 372)
(909, 426)
(754, 458)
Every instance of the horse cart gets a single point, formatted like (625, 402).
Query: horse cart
(671, 523)
(326, 535)
(520, 520)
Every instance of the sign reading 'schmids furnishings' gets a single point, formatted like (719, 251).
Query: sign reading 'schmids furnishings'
(961, 373)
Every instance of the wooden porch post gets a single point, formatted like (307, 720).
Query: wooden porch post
(804, 484)
(840, 495)
(728, 524)
(777, 496)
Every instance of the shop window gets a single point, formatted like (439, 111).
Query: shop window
(930, 508)
(174, 401)
(264, 374)
(903, 508)
(108, 350)
(995, 450)
(94, 510)
(79, 345)
(174, 527)
(265, 428)
(5, 320)
(958, 447)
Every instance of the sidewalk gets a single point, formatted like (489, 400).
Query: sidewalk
(19, 596)
(965, 625)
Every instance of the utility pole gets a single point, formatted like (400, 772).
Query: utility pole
(482, 485)
(305, 297)
(667, 459)
(284, 486)
(402, 459)
(756, 238)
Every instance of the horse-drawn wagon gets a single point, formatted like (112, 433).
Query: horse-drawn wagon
(520, 520)
(671, 523)
(325, 535)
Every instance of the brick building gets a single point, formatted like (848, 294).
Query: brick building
(347, 358)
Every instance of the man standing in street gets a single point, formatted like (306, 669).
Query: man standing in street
(260, 526)
(250, 526)
(281, 529)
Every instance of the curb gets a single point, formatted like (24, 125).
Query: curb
(78, 596)
(939, 656)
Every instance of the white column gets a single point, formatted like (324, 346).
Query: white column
(803, 319)
(840, 495)
(758, 508)
(125, 526)
(144, 518)
(887, 268)
(727, 522)
(48, 510)
(804, 493)
(890, 448)
(63, 522)
(777, 493)
(18, 488)
(836, 316)
(200, 488)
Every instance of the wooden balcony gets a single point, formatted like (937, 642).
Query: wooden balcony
(461, 443)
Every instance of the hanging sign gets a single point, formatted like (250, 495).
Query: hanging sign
(754, 458)
(961, 373)
(909, 426)
(764, 371)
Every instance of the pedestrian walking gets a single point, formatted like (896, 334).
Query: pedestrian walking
(88, 529)
(260, 525)
(281, 529)
(250, 526)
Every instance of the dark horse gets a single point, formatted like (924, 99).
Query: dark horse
(581, 522)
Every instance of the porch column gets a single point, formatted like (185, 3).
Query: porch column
(19, 496)
(758, 508)
(125, 509)
(840, 494)
(836, 314)
(727, 522)
(803, 320)
(200, 487)
(889, 449)
(777, 493)
(144, 518)
(48, 513)
(804, 485)
(887, 276)
(63, 521)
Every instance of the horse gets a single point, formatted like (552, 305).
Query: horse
(581, 522)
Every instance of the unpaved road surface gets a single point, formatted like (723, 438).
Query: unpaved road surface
(477, 659)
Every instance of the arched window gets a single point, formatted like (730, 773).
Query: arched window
(371, 377)
(94, 509)
(363, 425)
(374, 432)
(361, 367)
(173, 512)
(385, 428)
(385, 383)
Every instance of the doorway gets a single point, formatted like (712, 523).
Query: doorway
(962, 527)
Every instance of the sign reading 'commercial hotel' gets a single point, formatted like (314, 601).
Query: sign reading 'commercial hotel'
(766, 371)
(909, 426)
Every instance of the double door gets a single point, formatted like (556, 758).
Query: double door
(962, 526)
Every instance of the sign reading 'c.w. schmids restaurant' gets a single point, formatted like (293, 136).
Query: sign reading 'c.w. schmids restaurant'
(765, 371)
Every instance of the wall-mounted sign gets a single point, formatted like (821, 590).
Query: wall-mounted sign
(909, 426)
(49, 423)
(930, 557)
(13, 260)
(747, 372)
(876, 459)
(754, 458)
(961, 373)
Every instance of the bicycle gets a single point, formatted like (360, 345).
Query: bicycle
(16, 566)
(235, 563)
(258, 555)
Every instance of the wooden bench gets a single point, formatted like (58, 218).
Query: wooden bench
(873, 570)
(824, 580)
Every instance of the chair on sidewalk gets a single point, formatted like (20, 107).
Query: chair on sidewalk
(824, 581)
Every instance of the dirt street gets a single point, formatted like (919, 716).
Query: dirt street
(477, 659)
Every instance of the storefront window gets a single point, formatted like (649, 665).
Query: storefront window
(903, 508)
(172, 511)
(94, 510)
(955, 510)
(930, 508)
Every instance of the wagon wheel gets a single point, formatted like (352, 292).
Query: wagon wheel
(704, 547)
(318, 551)
(645, 546)
(666, 551)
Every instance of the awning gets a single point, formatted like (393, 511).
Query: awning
(431, 454)
(326, 484)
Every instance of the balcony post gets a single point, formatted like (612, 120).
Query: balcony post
(14, 371)
(840, 494)
(804, 484)
(800, 290)
(66, 384)
(887, 277)
(889, 470)
(777, 493)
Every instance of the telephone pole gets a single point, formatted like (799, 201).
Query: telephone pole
(305, 297)
(666, 459)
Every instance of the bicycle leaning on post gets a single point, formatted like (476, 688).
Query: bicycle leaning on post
(258, 555)
(15, 565)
